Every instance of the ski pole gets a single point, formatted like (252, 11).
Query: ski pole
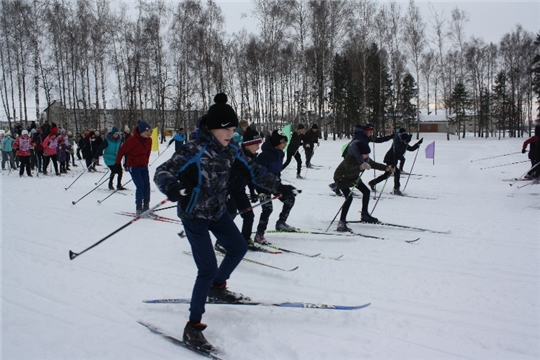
(73, 255)
(380, 193)
(159, 155)
(166, 208)
(259, 204)
(88, 193)
(108, 196)
(517, 162)
(74, 181)
(106, 172)
(533, 182)
(493, 157)
(342, 205)
(412, 167)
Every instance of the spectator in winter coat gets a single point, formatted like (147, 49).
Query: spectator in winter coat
(238, 199)
(23, 145)
(534, 153)
(271, 158)
(311, 137)
(38, 138)
(196, 177)
(179, 139)
(50, 150)
(297, 138)
(138, 148)
(347, 175)
(7, 151)
(71, 152)
(63, 148)
(89, 148)
(396, 154)
(109, 149)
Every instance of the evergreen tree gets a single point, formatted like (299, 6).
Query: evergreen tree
(536, 74)
(407, 103)
(461, 102)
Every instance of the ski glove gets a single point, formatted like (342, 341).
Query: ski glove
(523, 151)
(365, 166)
(175, 191)
(307, 145)
(391, 169)
(253, 197)
(262, 196)
(420, 141)
(287, 190)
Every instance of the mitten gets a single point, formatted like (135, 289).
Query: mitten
(175, 191)
(523, 151)
(253, 197)
(365, 166)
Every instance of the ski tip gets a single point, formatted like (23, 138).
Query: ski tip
(412, 241)
(73, 202)
(293, 269)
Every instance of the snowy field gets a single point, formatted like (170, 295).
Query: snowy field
(471, 294)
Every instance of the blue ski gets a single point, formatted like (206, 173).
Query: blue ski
(303, 305)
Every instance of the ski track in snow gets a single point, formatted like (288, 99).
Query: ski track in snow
(471, 294)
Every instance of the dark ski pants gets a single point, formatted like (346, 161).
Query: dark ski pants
(239, 201)
(47, 159)
(288, 203)
(208, 272)
(387, 174)
(348, 199)
(141, 179)
(536, 171)
(298, 159)
(114, 172)
(25, 163)
(309, 155)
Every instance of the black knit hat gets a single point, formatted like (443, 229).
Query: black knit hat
(277, 138)
(221, 115)
(406, 137)
(369, 127)
(314, 126)
(251, 137)
(300, 126)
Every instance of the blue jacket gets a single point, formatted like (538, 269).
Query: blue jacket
(109, 148)
(203, 167)
(178, 141)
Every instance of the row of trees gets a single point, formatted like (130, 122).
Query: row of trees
(338, 63)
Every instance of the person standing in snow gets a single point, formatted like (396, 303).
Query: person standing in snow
(138, 149)
(23, 145)
(348, 175)
(7, 151)
(271, 158)
(179, 139)
(50, 151)
(238, 199)
(311, 137)
(396, 154)
(196, 177)
(109, 149)
(297, 139)
(534, 152)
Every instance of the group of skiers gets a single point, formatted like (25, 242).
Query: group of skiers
(208, 177)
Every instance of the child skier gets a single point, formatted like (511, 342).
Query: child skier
(238, 199)
(347, 175)
(196, 176)
(272, 159)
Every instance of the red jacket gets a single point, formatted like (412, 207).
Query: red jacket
(23, 145)
(137, 149)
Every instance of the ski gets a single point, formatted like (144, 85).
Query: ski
(252, 247)
(381, 238)
(518, 179)
(253, 262)
(306, 232)
(302, 305)
(406, 173)
(177, 341)
(401, 226)
(152, 217)
(291, 251)
(414, 197)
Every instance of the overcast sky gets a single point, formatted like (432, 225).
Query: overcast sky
(488, 20)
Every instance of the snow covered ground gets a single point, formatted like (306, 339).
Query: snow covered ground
(471, 294)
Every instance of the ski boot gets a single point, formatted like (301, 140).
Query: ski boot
(369, 219)
(342, 227)
(194, 338)
(397, 192)
(220, 293)
(259, 238)
(281, 225)
(372, 185)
